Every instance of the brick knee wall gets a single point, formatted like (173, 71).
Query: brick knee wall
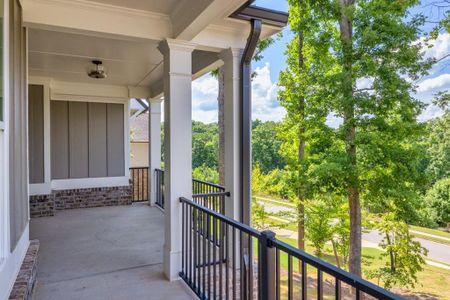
(24, 286)
(42, 206)
(46, 205)
(92, 197)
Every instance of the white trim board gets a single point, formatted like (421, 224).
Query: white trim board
(10, 269)
(84, 183)
(40, 189)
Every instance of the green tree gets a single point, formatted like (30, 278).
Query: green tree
(204, 145)
(318, 223)
(437, 200)
(206, 174)
(259, 215)
(360, 60)
(437, 145)
(405, 256)
(341, 233)
(219, 74)
(266, 146)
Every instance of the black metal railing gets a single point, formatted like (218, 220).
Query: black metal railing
(255, 265)
(139, 184)
(159, 185)
(205, 193)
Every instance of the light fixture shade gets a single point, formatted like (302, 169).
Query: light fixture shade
(98, 71)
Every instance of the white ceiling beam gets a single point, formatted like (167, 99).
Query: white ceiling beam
(101, 19)
(189, 18)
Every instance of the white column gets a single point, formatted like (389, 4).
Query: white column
(177, 145)
(154, 146)
(232, 58)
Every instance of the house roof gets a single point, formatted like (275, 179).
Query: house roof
(139, 128)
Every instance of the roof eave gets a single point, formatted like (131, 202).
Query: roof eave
(267, 16)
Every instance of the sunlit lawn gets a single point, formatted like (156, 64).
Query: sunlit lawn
(432, 281)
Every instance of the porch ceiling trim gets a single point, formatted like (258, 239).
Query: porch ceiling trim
(102, 19)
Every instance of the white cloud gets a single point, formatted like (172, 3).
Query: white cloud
(439, 47)
(429, 113)
(265, 105)
(204, 99)
(434, 83)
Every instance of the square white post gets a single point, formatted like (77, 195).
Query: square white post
(154, 146)
(177, 145)
(232, 59)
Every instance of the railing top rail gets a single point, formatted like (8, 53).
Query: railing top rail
(209, 183)
(205, 195)
(245, 228)
(346, 277)
(160, 170)
(133, 168)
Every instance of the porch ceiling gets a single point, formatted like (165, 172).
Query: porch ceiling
(65, 35)
(67, 56)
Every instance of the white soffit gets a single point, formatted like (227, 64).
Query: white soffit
(67, 57)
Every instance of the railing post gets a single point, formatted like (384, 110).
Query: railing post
(267, 266)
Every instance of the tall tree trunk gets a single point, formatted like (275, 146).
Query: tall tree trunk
(346, 30)
(221, 124)
(301, 147)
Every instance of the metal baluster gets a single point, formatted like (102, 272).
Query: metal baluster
(183, 251)
(250, 267)
(213, 244)
(209, 256)
(277, 274)
(290, 285)
(227, 264)
(358, 294)
(234, 262)
(337, 292)
(221, 257)
(319, 285)
(194, 279)
(205, 240)
(304, 281)
(190, 242)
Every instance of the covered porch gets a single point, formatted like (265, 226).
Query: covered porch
(103, 253)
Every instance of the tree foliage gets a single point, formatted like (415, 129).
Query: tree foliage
(438, 202)
(404, 255)
(266, 146)
(361, 58)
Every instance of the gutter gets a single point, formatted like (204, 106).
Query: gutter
(257, 16)
(246, 121)
(271, 17)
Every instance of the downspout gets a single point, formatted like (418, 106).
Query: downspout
(246, 121)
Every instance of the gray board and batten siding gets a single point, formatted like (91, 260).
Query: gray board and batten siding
(36, 133)
(18, 141)
(87, 139)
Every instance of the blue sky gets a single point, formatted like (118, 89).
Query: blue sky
(264, 86)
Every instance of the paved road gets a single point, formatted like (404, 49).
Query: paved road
(436, 251)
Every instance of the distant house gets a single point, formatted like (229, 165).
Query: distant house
(139, 140)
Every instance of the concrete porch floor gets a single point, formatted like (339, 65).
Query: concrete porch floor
(103, 253)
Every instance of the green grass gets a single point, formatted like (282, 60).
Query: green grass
(432, 281)
(430, 238)
(439, 232)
